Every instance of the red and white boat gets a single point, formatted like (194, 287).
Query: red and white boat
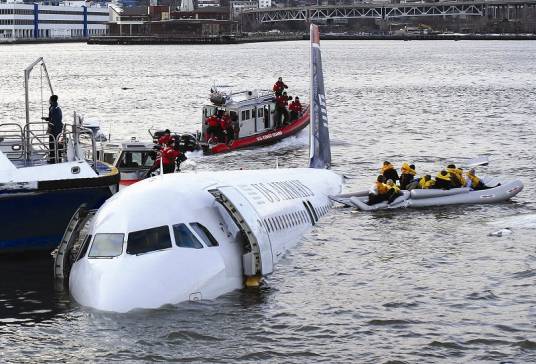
(254, 118)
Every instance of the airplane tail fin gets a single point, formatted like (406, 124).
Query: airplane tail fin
(319, 145)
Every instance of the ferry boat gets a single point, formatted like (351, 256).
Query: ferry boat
(254, 118)
(45, 179)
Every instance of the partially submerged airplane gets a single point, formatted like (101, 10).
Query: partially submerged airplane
(215, 232)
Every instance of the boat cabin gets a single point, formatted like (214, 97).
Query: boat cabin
(252, 112)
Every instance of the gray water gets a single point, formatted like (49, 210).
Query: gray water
(405, 286)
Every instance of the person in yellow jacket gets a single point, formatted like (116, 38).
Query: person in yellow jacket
(474, 182)
(407, 175)
(426, 182)
(443, 180)
(456, 176)
(378, 192)
(394, 191)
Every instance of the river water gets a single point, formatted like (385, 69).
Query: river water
(405, 286)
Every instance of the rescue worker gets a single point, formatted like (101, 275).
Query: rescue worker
(166, 138)
(281, 103)
(426, 182)
(213, 130)
(279, 86)
(407, 175)
(295, 109)
(474, 182)
(394, 191)
(55, 127)
(456, 176)
(443, 180)
(167, 155)
(378, 192)
(226, 126)
(389, 171)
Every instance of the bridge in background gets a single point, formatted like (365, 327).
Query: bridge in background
(502, 9)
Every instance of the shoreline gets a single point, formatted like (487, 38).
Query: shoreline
(231, 39)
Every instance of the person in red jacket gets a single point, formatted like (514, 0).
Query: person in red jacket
(166, 138)
(213, 130)
(281, 103)
(226, 126)
(169, 155)
(295, 109)
(279, 86)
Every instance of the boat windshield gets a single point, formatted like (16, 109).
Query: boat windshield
(137, 159)
(106, 246)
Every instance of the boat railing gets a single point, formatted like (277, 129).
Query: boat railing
(12, 140)
(39, 143)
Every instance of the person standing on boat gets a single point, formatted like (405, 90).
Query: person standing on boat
(279, 86)
(295, 109)
(55, 127)
(166, 138)
(227, 127)
(213, 129)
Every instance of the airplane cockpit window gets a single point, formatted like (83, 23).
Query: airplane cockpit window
(137, 159)
(106, 246)
(83, 249)
(145, 241)
(204, 234)
(184, 237)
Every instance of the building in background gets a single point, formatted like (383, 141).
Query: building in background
(73, 19)
(265, 3)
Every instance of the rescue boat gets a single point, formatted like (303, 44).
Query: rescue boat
(254, 118)
(45, 178)
(504, 190)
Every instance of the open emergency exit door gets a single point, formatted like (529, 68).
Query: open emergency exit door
(257, 258)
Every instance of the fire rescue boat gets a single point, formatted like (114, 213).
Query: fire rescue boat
(254, 121)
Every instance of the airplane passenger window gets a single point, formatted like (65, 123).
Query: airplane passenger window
(184, 237)
(145, 241)
(106, 246)
(204, 234)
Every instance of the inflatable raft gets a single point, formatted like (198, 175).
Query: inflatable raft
(503, 190)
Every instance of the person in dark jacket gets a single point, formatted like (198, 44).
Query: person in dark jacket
(55, 127)
(389, 172)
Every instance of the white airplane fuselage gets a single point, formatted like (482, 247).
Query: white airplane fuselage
(273, 208)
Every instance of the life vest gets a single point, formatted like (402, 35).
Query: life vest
(295, 106)
(457, 173)
(225, 122)
(424, 184)
(164, 139)
(169, 155)
(279, 86)
(282, 101)
(395, 187)
(212, 121)
(474, 180)
(382, 188)
(406, 169)
(444, 178)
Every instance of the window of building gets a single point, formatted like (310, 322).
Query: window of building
(204, 234)
(106, 246)
(184, 238)
(145, 241)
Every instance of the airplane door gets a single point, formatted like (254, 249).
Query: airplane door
(259, 259)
